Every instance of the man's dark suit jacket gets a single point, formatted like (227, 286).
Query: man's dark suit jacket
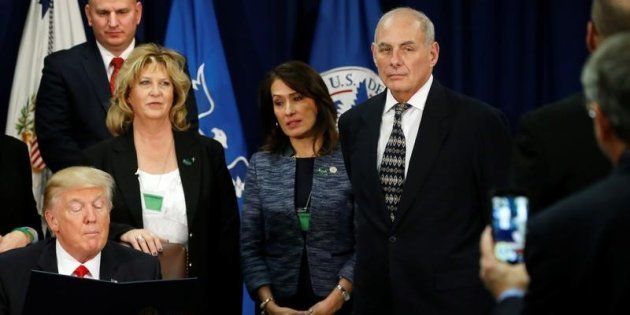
(426, 262)
(577, 252)
(211, 209)
(72, 104)
(555, 153)
(17, 205)
(117, 262)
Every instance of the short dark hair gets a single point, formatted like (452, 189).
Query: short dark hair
(305, 80)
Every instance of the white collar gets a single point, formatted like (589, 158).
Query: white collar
(66, 264)
(418, 100)
(108, 56)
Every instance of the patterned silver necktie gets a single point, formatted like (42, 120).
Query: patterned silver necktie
(392, 173)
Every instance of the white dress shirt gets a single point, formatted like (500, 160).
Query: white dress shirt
(66, 264)
(108, 56)
(170, 222)
(410, 122)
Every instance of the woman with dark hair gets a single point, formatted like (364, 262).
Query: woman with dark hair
(297, 232)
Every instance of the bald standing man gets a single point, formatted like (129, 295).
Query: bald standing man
(422, 159)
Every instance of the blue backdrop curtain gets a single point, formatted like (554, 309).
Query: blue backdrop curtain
(513, 54)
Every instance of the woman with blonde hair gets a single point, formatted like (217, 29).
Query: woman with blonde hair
(172, 184)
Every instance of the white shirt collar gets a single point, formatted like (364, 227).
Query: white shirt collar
(418, 100)
(66, 264)
(108, 56)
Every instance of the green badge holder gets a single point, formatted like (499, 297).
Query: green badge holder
(304, 216)
(153, 202)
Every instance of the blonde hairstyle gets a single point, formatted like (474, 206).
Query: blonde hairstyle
(77, 177)
(120, 114)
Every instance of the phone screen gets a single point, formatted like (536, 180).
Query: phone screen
(509, 219)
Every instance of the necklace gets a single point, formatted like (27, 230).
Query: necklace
(296, 156)
(153, 199)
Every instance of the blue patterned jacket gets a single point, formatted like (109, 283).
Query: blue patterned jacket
(271, 239)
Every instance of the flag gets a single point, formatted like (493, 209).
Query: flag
(50, 26)
(341, 50)
(193, 31)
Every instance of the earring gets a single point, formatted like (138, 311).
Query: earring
(276, 124)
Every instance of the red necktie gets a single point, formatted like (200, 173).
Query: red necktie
(116, 63)
(81, 271)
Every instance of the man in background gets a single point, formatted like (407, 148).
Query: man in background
(77, 84)
(555, 151)
(576, 251)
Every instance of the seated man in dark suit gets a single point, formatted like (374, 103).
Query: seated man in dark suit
(77, 203)
(576, 252)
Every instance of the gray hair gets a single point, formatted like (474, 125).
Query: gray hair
(425, 23)
(606, 81)
(610, 16)
(77, 177)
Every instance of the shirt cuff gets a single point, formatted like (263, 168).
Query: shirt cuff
(511, 293)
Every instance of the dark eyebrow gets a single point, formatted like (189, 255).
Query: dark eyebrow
(290, 95)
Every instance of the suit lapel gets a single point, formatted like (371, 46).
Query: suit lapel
(108, 267)
(371, 125)
(433, 129)
(96, 73)
(125, 168)
(189, 162)
(48, 258)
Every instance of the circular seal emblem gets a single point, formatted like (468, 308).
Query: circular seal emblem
(350, 86)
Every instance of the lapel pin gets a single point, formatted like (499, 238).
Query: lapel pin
(188, 161)
(333, 170)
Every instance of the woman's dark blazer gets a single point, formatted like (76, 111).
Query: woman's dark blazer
(17, 205)
(211, 208)
(271, 239)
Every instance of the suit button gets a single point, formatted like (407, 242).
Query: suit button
(393, 239)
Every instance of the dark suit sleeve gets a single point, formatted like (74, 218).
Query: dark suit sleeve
(493, 158)
(52, 119)
(509, 306)
(545, 266)
(344, 137)
(4, 294)
(227, 282)
(530, 168)
(28, 212)
(20, 210)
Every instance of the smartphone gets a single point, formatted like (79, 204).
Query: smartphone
(509, 220)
